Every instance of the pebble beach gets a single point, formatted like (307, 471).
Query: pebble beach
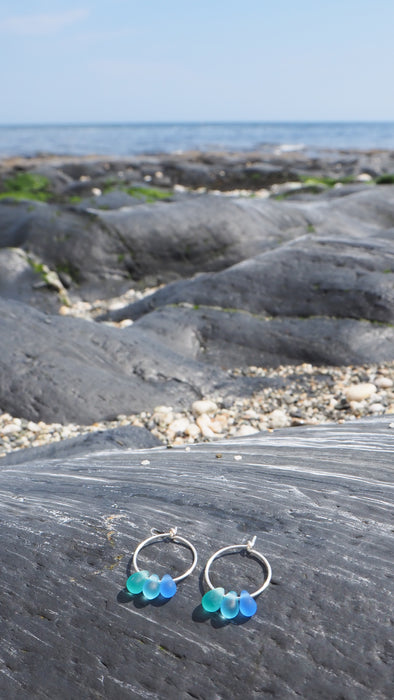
(313, 395)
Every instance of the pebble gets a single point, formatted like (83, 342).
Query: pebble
(359, 392)
(383, 382)
(278, 419)
(201, 407)
(311, 396)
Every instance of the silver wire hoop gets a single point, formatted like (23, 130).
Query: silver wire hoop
(248, 546)
(172, 534)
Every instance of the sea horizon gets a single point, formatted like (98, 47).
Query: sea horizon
(132, 138)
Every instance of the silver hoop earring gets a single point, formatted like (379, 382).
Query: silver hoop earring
(230, 604)
(150, 585)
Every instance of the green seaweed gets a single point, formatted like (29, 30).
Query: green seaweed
(385, 179)
(150, 194)
(26, 186)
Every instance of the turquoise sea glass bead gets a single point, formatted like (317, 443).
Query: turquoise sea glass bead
(151, 588)
(211, 601)
(167, 586)
(135, 582)
(230, 605)
(247, 604)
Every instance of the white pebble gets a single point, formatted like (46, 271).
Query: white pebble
(245, 430)
(204, 423)
(376, 408)
(237, 458)
(145, 462)
(359, 392)
(278, 419)
(204, 406)
(179, 426)
(383, 382)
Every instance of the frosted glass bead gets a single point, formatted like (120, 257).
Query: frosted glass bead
(135, 582)
(247, 604)
(151, 588)
(211, 601)
(167, 586)
(230, 605)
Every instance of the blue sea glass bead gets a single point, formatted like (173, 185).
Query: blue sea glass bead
(135, 582)
(247, 604)
(167, 586)
(230, 605)
(151, 588)
(211, 601)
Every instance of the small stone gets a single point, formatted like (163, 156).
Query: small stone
(204, 423)
(10, 429)
(193, 430)
(359, 392)
(376, 408)
(278, 419)
(357, 406)
(145, 462)
(383, 382)
(237, 458)
(245, 430)
(178, 426)
(204, 406)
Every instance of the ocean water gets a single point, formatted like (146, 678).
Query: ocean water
(128, 139)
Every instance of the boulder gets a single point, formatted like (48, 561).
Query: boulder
(62, 369)
(230, 338)
(311, 276)
(320, 511)
(21, 280)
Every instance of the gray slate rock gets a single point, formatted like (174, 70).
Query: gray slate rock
(20, 282)
(320, 510)
(311, 276)
(124, 437)
(234, 339)
(60, 369)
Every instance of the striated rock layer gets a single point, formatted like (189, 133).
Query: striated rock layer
(318, 500)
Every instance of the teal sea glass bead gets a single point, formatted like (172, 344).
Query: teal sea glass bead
(135, 582)
(230, 605)
(211, 601)
(151, 587)
(167, 586)
(247, 604)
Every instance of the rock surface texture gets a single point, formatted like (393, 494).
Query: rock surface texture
(318, 500)
(237, 281)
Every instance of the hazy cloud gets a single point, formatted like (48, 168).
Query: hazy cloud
(38, 25)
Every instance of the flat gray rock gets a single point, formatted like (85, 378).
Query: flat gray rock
(318, 500)
(237, 338)
(60, 369)
(123, 437)
(311, 276)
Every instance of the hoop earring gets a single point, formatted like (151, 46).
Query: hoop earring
(150, 585)
(230, 604)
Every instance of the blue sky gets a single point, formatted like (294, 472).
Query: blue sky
(196, 60)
